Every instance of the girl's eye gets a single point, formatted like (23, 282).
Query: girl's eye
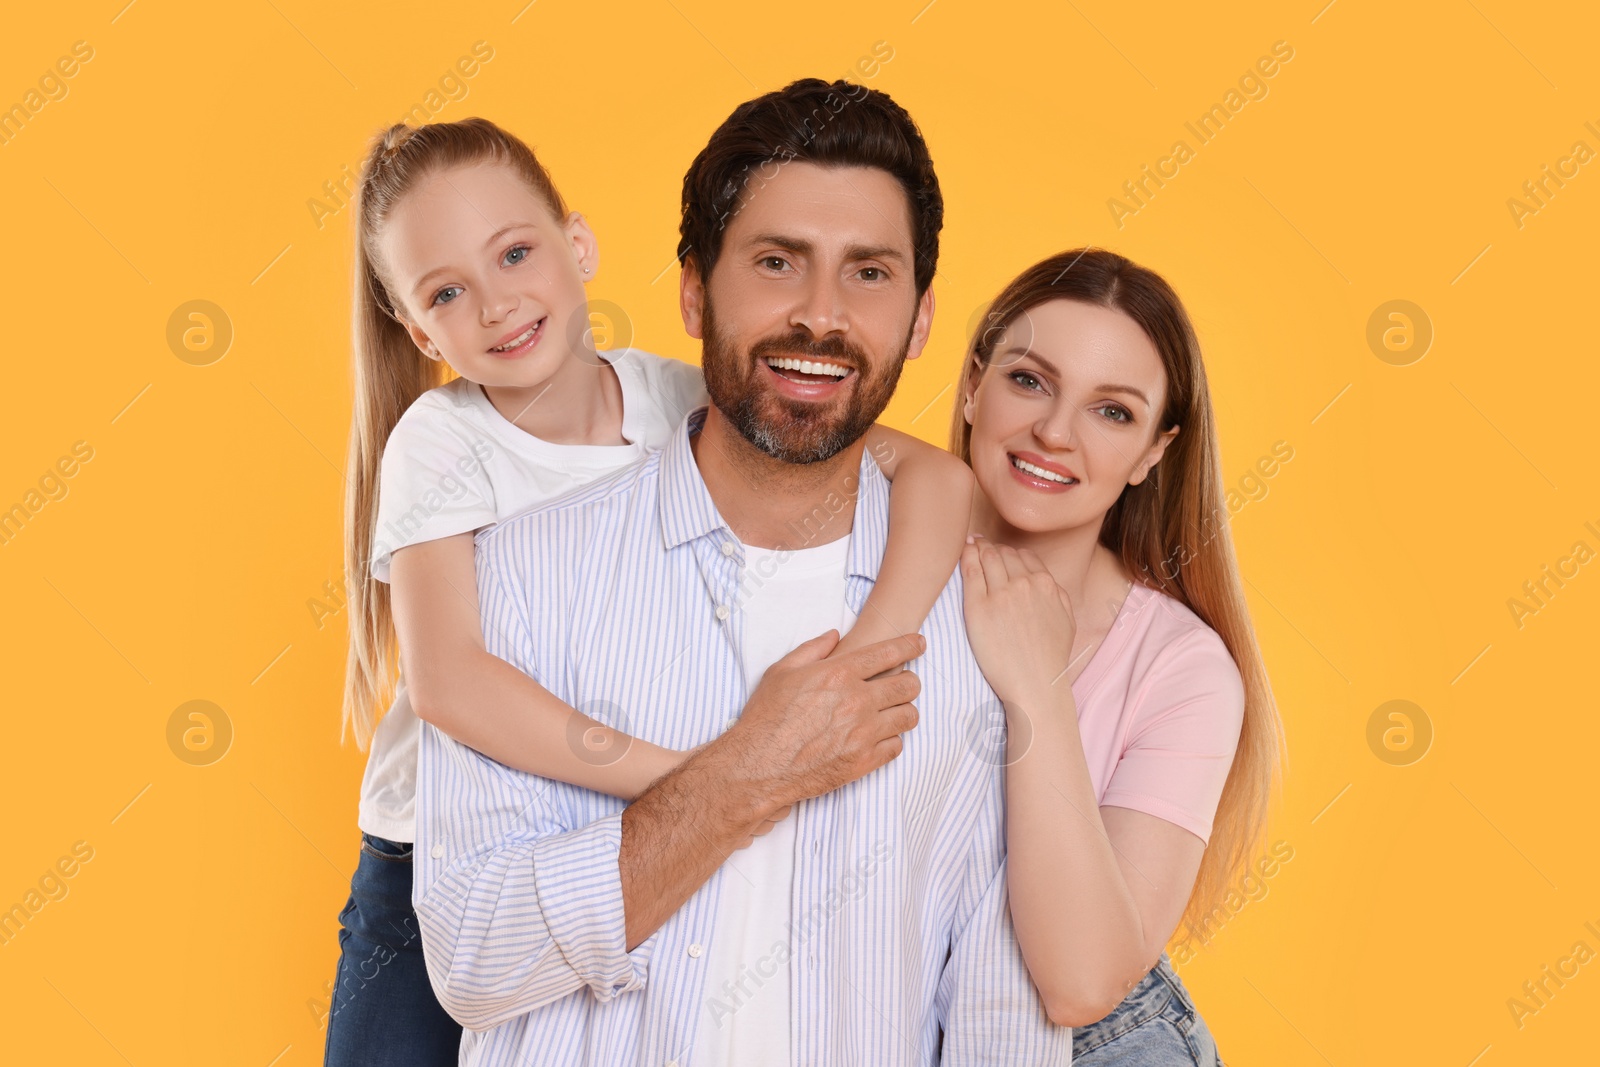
(1118, 413)
(517, 254)
(1024, 379)
(447, 294)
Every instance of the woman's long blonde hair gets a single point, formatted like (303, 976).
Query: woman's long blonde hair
(391, 372)
(1170, 531)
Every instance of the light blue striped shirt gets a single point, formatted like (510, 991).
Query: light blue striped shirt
(622, 599)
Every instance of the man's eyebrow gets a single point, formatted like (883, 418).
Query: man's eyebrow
(493, 237)
(806, 248)
(1024, 351)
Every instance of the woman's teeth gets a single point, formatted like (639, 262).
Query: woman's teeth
(520, 339)
(1040, 472)
(806, 366)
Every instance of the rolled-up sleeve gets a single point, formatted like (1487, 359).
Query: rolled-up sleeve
(516, 885)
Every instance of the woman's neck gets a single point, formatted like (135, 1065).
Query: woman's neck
(1074, 556)
(581, 404)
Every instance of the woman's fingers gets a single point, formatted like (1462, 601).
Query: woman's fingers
(994, 567)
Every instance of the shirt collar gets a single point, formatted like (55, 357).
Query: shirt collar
(688, 513)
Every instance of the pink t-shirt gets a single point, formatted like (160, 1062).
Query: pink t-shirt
(1159, 710)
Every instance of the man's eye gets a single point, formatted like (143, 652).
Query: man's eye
(774, 262)
(447, 294)
(876, 272)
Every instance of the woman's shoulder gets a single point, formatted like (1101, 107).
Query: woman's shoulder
(1170, 634)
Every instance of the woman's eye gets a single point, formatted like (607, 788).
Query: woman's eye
(1117, 413)
(447, 294)
(517, 254)
(1024, 379)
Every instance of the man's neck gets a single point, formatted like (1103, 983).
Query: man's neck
(770, 503)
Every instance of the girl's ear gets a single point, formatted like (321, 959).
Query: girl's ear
(424, 344)
(585, 246)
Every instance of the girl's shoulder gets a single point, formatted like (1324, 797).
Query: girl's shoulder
(672, 386)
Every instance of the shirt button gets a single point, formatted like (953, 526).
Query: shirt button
(727, 548)
(437, 852)
(695, 950)
(722, 612)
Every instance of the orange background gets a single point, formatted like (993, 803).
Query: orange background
(182, 561)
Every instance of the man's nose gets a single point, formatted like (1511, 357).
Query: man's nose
(821, 308)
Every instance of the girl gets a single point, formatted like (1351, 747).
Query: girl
(467, 258)
(1104, 605)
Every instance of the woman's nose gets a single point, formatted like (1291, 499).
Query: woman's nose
(1057, 429)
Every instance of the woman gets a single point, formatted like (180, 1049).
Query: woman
(1104, 605)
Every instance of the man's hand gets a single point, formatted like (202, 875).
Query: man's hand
(814, 723)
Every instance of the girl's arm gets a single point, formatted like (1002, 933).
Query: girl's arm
(929, 511)
(484, 702)
(1095, 892)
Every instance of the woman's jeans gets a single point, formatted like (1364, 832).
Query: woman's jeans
(1156, 1026)
(384, 1012)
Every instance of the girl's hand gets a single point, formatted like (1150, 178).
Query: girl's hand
(1019, 621)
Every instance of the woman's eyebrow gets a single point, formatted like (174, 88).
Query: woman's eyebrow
(1024, 352)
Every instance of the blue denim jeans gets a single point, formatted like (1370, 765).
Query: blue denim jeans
(1155, 1026)
(384, 1012)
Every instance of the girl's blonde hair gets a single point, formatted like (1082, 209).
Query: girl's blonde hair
(1170, 530)
(390, 373)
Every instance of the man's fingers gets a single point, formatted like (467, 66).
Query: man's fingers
(813, 651)
(901, 687)
(900, 719)
(879, 657)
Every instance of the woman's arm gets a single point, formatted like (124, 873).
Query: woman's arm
(1095, 892)
(930, 507)
(484, 702)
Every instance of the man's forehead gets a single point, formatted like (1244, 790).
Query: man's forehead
(823, 206)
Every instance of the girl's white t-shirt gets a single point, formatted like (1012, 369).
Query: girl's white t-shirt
(454, 464)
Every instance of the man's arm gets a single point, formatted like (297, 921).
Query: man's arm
(810, 727)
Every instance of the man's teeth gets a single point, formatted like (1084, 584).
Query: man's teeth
(1040, 472)
(805, 366)
(520, 339)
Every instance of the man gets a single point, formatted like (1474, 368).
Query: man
(869, 926)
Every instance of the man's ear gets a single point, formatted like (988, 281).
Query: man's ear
(691, 298)
(922, 325)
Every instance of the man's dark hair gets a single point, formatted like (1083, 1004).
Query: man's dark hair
(832, 125)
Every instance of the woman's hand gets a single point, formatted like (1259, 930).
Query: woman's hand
(1019, 621)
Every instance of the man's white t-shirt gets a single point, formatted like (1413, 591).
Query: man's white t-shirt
(454, 464)
(787, 597)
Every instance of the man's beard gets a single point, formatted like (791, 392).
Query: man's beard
(785, 429)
